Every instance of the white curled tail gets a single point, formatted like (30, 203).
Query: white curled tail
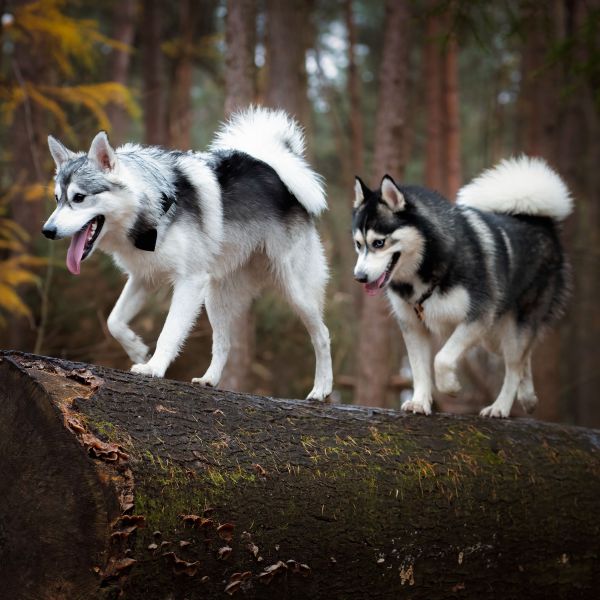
(523, 185)
(275, 138)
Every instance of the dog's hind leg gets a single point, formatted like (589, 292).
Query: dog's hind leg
(526, 392)
(188, 296)
(515, 348)
(127, 307)
(227, 300)
(302, 277)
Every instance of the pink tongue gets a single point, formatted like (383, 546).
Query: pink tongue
(75, 251)
(374, 287)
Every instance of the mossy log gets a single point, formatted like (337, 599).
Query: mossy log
(117, 485)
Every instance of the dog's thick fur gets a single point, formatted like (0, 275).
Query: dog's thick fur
(216, 226)
(489, 270)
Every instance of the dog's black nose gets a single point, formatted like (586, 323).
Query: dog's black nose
(49, 232)
(361, 277)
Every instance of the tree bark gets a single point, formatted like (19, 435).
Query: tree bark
(373, 352)
(180, 100)
(125, 13)
(240, 90)
(288, 34)
(451, 160)
(153, 76)
(119, 484)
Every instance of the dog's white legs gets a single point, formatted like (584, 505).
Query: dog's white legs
(127, 307)
(446, 360)
(226, 301)
(302, 278)
(188, 297)
(515, 347)
(526, 392)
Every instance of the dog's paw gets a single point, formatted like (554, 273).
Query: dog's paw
(319, 393)
(528, 402)
(138, 352)
(446, 380)
(495, 411)
(420, 407)
(147, 369)
(205, 381)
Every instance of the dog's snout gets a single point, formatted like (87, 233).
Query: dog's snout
(49, 232)
(361, 277)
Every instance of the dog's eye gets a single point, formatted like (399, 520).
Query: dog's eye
(78, 198)
(378, 244)
(358, 245)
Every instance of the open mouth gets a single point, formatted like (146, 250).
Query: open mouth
(82, 243)
(375, 287)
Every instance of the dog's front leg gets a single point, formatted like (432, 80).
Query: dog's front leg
(419, 348)
(127, 307)
(187, 301)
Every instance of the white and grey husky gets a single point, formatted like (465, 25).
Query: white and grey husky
(489, 270)
(216, 226)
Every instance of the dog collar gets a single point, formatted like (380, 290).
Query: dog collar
(418, 305)
(144, 235)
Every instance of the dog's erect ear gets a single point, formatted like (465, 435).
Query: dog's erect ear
(360, 190)
(60, 153)
(101, 152)
(391, 195)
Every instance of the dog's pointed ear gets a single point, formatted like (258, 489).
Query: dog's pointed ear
(61, 154)
(391, 194)
(360, 191)
(101, 152)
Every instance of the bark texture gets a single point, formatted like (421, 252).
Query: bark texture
(119, 484)
(373, 356)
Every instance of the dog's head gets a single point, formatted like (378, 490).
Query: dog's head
(388, 242)
(90, 198)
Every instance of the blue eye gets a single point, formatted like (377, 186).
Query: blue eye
(378, 244)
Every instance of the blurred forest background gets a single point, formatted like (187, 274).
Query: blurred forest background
(431, 91)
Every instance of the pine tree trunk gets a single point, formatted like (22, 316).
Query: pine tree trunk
(125, 13)
(451, 161)
(376, 324)
(116, 485)
(288, 33)
(240, 89)
(152, 73)
(180, 100)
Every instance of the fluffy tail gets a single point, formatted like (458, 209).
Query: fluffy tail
(524, 185)
(276, 139)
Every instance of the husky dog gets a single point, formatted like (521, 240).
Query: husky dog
(216, 226)
(489, 270)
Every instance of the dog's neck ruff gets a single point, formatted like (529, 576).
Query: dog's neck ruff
(145, 239)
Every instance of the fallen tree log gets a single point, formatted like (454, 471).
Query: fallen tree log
(116, 485)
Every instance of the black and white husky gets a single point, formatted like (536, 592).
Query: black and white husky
(216, 226)
(489, 270)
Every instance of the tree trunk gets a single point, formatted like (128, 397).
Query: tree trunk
(451, 160)
(125, 13)
(114, 484)
(240, 89)
(354, 87)
(180, 101)
(433, 102)
(288, 34)
(373, 355)
(152, 73)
